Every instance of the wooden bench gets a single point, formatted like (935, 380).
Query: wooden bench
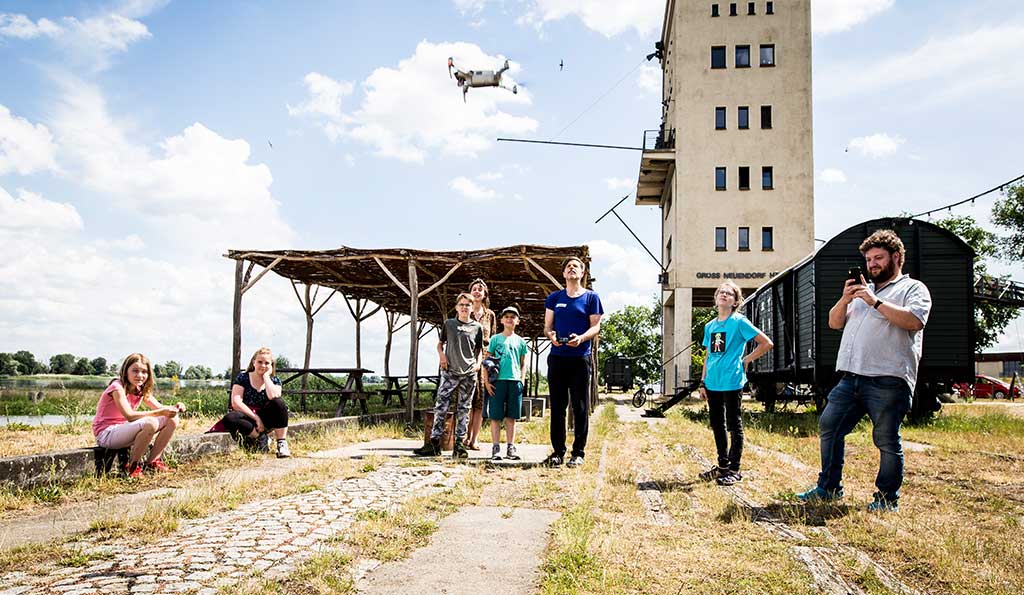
(352, 389)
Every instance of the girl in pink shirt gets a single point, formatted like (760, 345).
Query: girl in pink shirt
(118, 425)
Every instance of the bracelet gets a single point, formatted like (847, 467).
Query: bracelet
(878, 303)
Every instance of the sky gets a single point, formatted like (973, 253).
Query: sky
(140, 140)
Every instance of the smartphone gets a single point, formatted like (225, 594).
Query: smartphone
(854, 274)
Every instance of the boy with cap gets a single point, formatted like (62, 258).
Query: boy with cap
(506, 394)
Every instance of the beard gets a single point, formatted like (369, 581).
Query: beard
(886, 273)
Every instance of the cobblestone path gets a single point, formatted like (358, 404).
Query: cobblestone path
(269, 537)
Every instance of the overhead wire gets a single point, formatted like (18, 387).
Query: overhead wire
(598, 100)
(970, 199)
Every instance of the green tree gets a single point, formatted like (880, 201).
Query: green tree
(170, 369)
(634, 331)
(99, 365)
(63, 363)
(1008, 213)
(82, 367)
(198, 373)
(701, 316)
(28, 362)
(281, 362)
(989, 319)
(9, 366)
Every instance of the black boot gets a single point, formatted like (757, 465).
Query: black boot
(430, 449)
(459, 451)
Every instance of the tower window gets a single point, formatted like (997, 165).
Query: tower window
(719, 178)
(719, 118)
(766, 116)
(720, 244)
(767, 178)
(744, 239)
(769, 8)
(718, 56)
(768, 55)
(750, 8)
(714, 10)
(744, 178)
(732, 9)
(767, 239)
(743, 118)
(743, 56)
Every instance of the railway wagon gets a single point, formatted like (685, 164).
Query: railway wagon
(792, 309)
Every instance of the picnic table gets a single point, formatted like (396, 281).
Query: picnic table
(396, 386)
(352, 389)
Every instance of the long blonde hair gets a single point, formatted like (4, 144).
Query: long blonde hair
(260, 351)
(147, 387)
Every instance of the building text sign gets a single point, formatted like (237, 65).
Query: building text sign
(735, 275)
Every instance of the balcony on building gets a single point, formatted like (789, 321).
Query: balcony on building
(656, 166)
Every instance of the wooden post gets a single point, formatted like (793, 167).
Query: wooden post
(391, 317)
(414, 341)
(308, 308)
(236, 343)
(594, 388)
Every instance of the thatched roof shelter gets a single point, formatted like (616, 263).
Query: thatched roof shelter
(420, 284)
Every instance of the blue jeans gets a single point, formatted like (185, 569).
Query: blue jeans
(886, 399)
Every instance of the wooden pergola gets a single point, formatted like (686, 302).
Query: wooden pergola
(391, 279)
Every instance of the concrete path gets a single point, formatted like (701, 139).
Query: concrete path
(74, 518)
(491, 546)
(270, 537)
(532, 454)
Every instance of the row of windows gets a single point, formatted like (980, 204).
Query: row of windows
(743, 239)
(743, 117)
(767, 178)
(769, 8)
(742, 58)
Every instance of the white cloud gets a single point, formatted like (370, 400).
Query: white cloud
(24, 147)
(877, 145)
(630, 269)
(617, 300)
(649, 80)
(324, 103)
(490, 176)
(607, 17)
(21, 27)
(955, 66)
(471, 190)
(32, 211)
(199, 184)
(470, 7)
(834, 16)
(619, 183)
(131, 243)
(832, 176)
(411, 111)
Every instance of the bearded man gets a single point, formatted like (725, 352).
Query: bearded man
(883, 331)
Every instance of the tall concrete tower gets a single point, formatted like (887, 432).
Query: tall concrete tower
(731, 166)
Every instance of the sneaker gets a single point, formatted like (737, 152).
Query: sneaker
(134, 470)
(159, 466)
(511, 453)
(881, 504)
(263, 444)
(713, 473)
(496, 452)
(575, 461)
(553, 460)
(430, 449)
(459, 451)
(817, 494)
(729, 478)
(282, 449)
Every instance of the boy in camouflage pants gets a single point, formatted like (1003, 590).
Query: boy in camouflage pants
(460, 351)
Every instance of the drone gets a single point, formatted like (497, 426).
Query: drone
(478, 78)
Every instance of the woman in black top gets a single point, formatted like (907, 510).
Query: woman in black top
(257, 407)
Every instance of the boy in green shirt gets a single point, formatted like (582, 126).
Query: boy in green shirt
(506, 394)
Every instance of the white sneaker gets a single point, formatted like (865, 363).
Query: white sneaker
(511, 453)
(282, 449)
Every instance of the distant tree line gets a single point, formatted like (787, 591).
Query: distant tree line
(23, 363)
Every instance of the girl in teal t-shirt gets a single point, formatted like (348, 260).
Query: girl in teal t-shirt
(506, 394)
(725, 339)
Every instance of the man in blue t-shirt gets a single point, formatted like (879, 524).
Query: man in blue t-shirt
(572, 318)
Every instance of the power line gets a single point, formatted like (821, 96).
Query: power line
(970, 199)
(598, 100)
(548, 142)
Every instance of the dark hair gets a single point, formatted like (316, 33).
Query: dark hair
(568, 259)
(887, 240)
(487, 291)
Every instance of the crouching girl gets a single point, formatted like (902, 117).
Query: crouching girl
(257, 407)
(118, 425)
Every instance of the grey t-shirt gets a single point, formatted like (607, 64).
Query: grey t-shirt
(463, 342)
(873, 346)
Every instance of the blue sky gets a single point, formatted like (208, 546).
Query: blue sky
(134, 148)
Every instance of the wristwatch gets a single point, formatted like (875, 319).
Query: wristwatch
(878, 303)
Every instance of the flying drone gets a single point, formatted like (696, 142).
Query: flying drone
(478, 78)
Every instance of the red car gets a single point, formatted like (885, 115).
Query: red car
(986, 387)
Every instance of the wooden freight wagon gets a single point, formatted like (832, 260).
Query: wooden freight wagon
(792, 309)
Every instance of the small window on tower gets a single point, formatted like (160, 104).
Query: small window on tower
(744, 239)
(743, 56)
(718, 56)
(750, 8)
(768, 55)
(720, 244)
(732, 9)
(743, 118)
(714, 10)
(769, 8)
(719, 178)
(766, 116)
(719, 118)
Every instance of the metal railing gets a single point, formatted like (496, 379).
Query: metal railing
(1000, 291)
(658, 140)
